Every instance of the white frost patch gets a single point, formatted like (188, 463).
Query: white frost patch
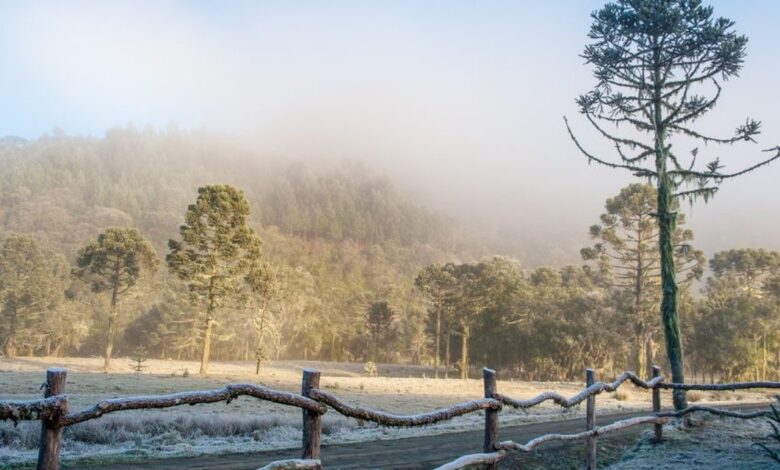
(711, 443)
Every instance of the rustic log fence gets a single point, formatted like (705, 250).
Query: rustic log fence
(53, 412)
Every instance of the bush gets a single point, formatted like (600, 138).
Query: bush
(694, 396)
(621, 395)
(774, 421)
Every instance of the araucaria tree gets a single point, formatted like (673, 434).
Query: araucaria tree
(114, 263)
(216, 254)
(659, 66)
(626, 260)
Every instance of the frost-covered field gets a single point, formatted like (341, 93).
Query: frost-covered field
(711, 443)
(246, 424)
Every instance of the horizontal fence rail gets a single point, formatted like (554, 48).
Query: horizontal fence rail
(52, 411)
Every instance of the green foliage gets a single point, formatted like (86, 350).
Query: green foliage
(626, 257)
(738, 325)
(114, 264)
(658, 66)
(216, 253)
(139, 357)
(380, 330)
(28, 288)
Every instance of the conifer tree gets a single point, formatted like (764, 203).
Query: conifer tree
(114, 263)
(25, 281)
(215, 255)
(626, 255)
(659, 66)
(379, 324)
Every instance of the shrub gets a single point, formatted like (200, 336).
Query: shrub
(694, 396)
(774, 421)
(621, 395)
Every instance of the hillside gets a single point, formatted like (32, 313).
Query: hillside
(338, 235)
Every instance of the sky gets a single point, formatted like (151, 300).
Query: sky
(461, 102)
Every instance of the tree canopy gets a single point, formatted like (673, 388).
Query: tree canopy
(114, 263)
(215, 254)
(659, 67)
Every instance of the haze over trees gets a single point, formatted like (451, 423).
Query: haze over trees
(660, 66)
(312, 294)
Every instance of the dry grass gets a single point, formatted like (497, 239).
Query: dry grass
(247, 424)
(621, 395)
(695, 396)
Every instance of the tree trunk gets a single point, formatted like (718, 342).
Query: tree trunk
(10, 342)
(447, 355)
(110, 331)
(437, 347)
(640, 351)
(464, 353)
(650, 350)
(204, 358)
(667, 221)
(764, 361)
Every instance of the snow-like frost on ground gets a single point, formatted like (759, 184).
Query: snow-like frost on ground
(712, 443)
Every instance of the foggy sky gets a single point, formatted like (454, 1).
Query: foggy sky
(460, 102)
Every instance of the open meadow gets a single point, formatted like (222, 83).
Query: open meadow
(247, 424)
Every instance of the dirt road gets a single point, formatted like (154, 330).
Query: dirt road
(422, 452)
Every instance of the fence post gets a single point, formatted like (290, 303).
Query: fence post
(491, 416)
(51, 432)
(659, 429)
(311, 419)
(590, 421)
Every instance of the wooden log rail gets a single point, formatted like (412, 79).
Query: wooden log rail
(52, 411)
(226, 394)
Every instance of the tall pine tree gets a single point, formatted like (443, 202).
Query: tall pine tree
(659, 66)
(215, 255)
(114, 264)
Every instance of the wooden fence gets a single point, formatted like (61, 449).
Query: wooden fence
(54, 414)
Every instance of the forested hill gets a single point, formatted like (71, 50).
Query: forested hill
(65, 189)
(337, 236)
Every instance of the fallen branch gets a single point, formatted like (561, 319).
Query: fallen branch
(474, 459)
(227, 394)
(715, 411)
(389, 419)
(293, 464)
(597, 431)
(595, 389)
(31, 410)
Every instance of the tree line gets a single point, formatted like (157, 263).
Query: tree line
(541, 324)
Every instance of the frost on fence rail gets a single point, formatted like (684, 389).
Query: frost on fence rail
(389, 419)
(659, 418)
(227, 393)
(715, 411)
(595, 389)
(293, 464)
(473, 459)
(726, 387)
(32, 410)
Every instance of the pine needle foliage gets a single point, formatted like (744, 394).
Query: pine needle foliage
(659, 67)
